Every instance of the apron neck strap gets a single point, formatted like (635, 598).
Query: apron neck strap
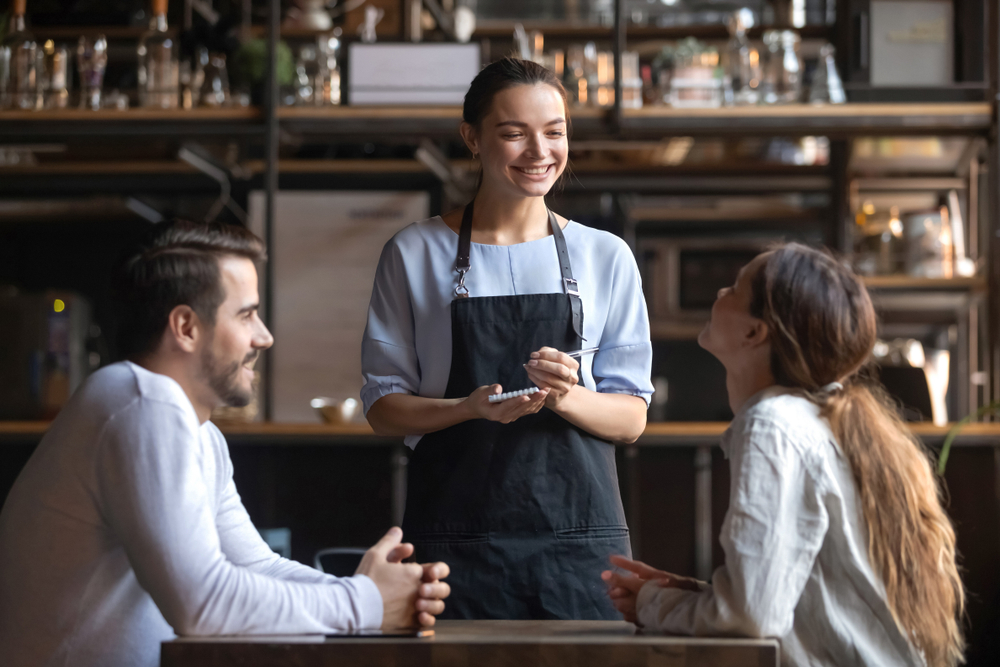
(462, 264)
(570, 286)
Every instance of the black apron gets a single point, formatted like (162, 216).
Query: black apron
(525, 514)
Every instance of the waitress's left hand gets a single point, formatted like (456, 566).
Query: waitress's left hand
(553, 370)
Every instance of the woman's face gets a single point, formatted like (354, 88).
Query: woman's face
(522, 140)
(732, 330)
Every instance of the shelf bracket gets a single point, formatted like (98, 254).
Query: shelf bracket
(457, 184)
(195, 156)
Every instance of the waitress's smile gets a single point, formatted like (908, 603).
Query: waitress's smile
(538, 174)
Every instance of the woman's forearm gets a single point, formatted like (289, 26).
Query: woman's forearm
(616, 417)
(405, 414)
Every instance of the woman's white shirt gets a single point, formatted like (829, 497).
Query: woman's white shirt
(407, 341)
(796, 552)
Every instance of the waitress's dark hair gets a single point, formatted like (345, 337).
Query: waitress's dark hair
(823, 328)
(501, 75)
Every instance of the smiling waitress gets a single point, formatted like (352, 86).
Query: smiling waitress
(520, 497)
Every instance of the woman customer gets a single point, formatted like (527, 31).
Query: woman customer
(835, 538)
(519, 496)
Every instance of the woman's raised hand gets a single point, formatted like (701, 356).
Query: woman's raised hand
(554, 371)
(505, 412)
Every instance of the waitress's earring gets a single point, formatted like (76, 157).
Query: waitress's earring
(475, 155)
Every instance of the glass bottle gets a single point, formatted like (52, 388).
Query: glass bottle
(159, 68)
(783, 79)
(575, 77)
(91, 61)
(826, 84)
(327, 88)
(18, 63)
(52, 74)
(742, 62)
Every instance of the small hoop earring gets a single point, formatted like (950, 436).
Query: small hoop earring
(475, 156)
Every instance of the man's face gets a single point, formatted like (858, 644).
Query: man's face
(238, 336)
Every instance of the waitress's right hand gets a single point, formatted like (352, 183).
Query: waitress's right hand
(479, 406)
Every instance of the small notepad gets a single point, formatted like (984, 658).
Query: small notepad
(496, 398)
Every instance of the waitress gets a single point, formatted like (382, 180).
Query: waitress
(519, 497)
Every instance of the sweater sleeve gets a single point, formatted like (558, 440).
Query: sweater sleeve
(771, 536)
(155, 499)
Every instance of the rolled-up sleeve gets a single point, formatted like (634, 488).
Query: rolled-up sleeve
(771, 536)
(624, 363)
(388, 357)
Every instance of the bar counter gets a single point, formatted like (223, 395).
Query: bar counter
(480, 644)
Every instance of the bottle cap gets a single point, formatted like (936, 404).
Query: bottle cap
(18, 7)
(159, 7)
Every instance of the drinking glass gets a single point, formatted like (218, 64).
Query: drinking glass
(215, 87)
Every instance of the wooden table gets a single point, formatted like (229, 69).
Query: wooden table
(479, 644)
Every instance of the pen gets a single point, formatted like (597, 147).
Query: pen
(576, 354)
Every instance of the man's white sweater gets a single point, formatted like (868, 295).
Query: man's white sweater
(125, 527)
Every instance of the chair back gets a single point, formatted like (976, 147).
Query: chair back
(338, 561)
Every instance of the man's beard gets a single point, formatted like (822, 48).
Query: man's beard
(224, 379)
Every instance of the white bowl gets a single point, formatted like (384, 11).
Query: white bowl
(335, 410)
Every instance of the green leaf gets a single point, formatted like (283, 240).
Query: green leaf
(957, 428)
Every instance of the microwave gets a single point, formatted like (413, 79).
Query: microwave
(682, 276)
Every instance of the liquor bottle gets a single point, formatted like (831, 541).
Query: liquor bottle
(159, 67)
(18, 63)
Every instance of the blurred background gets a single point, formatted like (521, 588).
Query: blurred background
(703, 131)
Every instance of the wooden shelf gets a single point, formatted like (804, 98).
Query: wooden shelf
(656, 433)
(71, 33)
(22, 125)
(805, 119)
(382, 123)
(657, 122)
(563, 30)
(974, 283)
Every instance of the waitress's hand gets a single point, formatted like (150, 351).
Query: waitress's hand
(554, 371)
(479, 406)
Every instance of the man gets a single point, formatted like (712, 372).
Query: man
(125, 526)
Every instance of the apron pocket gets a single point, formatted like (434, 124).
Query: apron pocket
(589, 533)
(449, 537)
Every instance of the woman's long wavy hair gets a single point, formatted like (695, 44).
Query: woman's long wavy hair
(823, 329)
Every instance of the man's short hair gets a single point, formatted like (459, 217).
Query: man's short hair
(177, 263)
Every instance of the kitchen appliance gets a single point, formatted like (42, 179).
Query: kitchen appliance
(682, 276)
(43, 352)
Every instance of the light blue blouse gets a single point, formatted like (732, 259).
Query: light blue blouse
(407, 342)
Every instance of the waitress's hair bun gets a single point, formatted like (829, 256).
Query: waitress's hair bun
(500, 75)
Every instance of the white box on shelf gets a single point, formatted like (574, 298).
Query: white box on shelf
(410, 74)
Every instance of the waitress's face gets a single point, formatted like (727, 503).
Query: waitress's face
(522, 140)
(732, 330)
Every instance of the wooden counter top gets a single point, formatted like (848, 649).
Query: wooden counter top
(656, 433)
(480, 644)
